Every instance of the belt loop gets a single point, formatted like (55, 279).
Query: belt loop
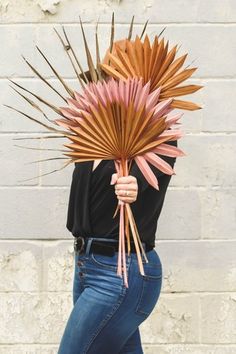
(90, 239)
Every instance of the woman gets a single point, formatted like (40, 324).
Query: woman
(106, 315)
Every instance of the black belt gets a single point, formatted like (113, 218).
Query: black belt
(100, 246)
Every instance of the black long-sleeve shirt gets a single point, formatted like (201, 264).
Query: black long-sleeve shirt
(92, 200)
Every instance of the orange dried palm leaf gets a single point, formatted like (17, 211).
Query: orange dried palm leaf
(154, 63)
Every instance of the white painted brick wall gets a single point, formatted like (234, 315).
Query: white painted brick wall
(196, 232)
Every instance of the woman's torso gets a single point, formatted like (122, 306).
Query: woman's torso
(92, 201)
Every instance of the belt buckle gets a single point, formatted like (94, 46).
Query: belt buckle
(79, 244)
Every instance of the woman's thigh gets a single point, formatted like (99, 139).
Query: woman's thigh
(106, 314)
(133, 344)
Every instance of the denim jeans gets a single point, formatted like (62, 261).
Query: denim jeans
(106, 315)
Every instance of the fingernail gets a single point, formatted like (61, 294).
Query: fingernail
(113, 179)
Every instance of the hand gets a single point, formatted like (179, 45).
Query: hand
(123, 185)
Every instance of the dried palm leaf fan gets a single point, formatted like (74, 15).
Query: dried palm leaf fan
(122, 120)
(126, 119)
(154, 63)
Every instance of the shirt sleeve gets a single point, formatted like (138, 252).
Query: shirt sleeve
(141, 180)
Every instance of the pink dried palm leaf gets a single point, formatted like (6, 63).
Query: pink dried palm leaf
(124, 121)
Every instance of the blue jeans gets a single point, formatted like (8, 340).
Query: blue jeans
(106, 315)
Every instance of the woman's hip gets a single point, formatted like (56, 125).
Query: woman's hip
(99, 272)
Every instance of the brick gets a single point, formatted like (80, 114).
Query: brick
(58, 265)
(191, 121)
(23, 40)
(174, 221)
(17, 41)
(218, 318)
(10, 120)
(195, 41)
(218, 214)
(219, 94)
(206, 163)
(20, 266)
(62, 177)
(184, 11)
(15, 122)
(175, 319)
(16, 160)
(33, 317)
(39, 213)
(197, 266)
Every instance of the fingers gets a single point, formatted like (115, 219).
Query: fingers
(123, 185)
(126, 187)
(123, 193)
(122, 180)
(127, 199)
(127, 179)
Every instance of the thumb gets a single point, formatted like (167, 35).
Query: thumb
(114, 178)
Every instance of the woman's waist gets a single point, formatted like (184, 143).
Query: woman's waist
(104, 245)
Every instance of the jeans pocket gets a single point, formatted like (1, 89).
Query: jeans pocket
(103, 261)
(150, 290)
(107, 262)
